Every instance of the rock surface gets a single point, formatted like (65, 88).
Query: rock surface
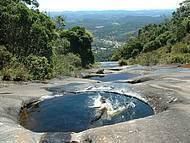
(167, 91)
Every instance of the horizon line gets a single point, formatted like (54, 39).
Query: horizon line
(110, 10)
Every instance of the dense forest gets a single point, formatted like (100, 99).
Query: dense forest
(35, 47)
(165, 43)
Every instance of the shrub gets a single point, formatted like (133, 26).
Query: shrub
(15, 70)
(66, 64)
(146, 59)
(21, 74)
(38, 67)
(123, 62)
(135, 52)
(7, 74)
(179, 58)
(176, 59)
(151, 46)
(131, 61)
(181, 48)
(5, 57)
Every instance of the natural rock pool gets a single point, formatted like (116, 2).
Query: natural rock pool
(114, 77)
(80, 111)
(109, 64)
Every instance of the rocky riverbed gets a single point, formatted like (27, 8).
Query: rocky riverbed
(165, 88)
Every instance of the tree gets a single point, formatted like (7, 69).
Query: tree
(25, 31)
(60, 22)
(155, 39)
(32, 3)
(33, 39)
(80, 43)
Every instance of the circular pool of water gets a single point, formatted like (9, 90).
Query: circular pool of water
(81, 111)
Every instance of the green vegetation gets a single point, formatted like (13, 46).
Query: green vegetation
(103, 54)
(112, 28)
(33, 46)
(113, 25)
(66, 64)
(80, 43)
(165, 43)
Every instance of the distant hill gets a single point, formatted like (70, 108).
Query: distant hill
(113, 24)
(112, 13)
(111, 28)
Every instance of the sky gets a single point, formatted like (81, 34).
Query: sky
(84, 5)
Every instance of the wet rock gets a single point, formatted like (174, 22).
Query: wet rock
(100, 71)
(92, 75)
(141, 79)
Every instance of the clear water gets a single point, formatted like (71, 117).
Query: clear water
(114, 77)
(81, 111)
(109, 64)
